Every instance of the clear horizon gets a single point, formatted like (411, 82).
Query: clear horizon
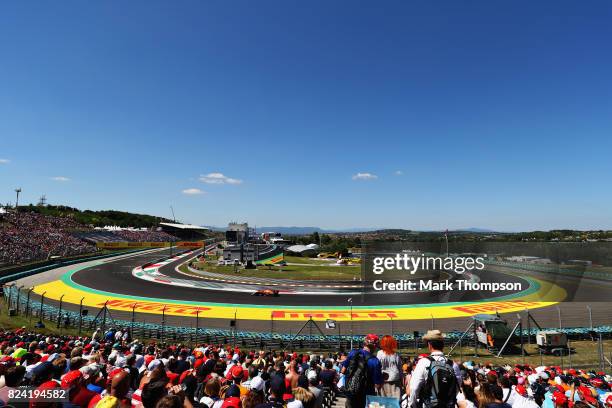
(414, 115)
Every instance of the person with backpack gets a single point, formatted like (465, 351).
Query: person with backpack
(434, 381)
(363, 373)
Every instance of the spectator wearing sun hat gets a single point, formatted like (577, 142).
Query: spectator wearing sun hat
(435, 344)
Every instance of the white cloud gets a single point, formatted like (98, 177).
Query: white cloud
(399, 173)
(60, 178)
(4, 161)
(365, 176)
(192, 191)
(218, 178)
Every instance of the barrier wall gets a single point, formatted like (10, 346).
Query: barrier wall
(136, 245)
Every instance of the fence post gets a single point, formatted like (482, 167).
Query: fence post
(59, 312)
(163, 323)
(81, 315)
(569, 352)
(28, 311)
(197, 328)
(600, 352)
(42, 302)
(590, 317)
(104, 318)
(528, 327)
(18, 296)
(522, 338)
(133, 320)
(10, 296)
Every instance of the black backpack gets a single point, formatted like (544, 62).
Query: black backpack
(357, 375)
(440, 390)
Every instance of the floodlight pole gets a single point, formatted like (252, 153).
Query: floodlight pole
(446, 239)
(17, 191)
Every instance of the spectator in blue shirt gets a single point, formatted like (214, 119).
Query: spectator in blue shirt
(374, 378)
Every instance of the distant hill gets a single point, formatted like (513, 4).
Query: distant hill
(98, 218)
(474, 229)
(299, 230)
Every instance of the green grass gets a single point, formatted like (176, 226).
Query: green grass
(309, 261)
(14, 322)
(298, 272)
(585, 356)
(308, 269)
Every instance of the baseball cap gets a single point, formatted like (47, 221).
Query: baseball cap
(237, 371)
(257, 384)
(90, 370)
(231, 402)
(71, 378)
(43, 369)
(371, 339)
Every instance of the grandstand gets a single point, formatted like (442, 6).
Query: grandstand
(187, 232)
(99, 236)
(28, 236)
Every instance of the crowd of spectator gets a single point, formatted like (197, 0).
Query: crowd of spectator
(111, 370)
(27, 237)
(145, 236)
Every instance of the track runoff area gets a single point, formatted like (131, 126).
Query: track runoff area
(402, 288)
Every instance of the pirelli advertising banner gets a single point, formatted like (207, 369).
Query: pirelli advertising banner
(136, 245)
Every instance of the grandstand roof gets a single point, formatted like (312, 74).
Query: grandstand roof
(183, 226)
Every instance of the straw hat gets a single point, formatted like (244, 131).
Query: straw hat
(433, 335)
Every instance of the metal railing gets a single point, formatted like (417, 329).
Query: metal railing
(19, 300)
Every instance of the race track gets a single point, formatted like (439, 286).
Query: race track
(113, 280)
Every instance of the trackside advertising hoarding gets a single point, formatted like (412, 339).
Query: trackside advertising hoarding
(134, 245)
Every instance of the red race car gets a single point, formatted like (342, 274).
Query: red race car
(265, 292)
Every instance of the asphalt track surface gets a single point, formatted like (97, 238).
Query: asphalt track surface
(116, 276)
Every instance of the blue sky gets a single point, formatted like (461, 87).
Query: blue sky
(495, 114)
